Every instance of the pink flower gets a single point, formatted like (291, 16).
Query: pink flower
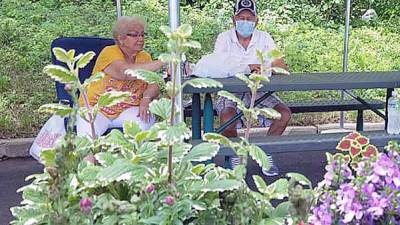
(169, 200)
(86, 205)
(150, 188)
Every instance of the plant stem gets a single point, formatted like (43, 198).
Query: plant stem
(91, 117)
(172, 120)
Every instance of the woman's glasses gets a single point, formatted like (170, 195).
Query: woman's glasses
(136, 35)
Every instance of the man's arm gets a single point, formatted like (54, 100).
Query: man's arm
(117, 68)
(280, 63)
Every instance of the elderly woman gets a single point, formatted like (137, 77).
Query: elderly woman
(113, 60)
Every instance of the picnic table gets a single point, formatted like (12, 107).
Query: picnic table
(294, 82)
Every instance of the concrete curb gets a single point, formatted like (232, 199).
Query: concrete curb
(18, 147)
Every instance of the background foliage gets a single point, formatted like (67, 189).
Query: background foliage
(309, 33)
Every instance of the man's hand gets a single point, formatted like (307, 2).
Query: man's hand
(255, 68)
(144, 112)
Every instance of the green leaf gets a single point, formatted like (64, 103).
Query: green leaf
(110, 220)
(111, 98)
(89, 175)
(282, 210)
(56, 109)
(274, 54)
(185, 30)
(300, 178)
(83, 144)
(34, 194)
(192, 44)
(203, 83)
(219, 139)
(166, 30)
(61, 55)
(179, 150)
(202, 152)
(231, 97)
(175, 134)
(85, 59)
(161, 108)
(198, 169)
(268, 113)
(278, 189)
(259, 78)
(71, 54)
(220, 185)
(116, 139)
(158, 219)
(259, 156)
(95, 77)
(60, 74)
(273, 221)
(147, 76)
(121, 169)
(260, 184)
(245, 79)
(260, 55)
(48, 157)
(169, 87)
(166, 57)
(279, 70)
(131, 128)
(105, 158)
(30, 214)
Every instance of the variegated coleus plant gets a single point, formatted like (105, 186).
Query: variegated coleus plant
(144, 177)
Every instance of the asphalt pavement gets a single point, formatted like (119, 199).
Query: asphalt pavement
(14, 170)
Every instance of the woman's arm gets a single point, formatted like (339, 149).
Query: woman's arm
(152, 92)
(117, 68)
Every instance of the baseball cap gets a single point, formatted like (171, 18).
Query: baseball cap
(245, 5)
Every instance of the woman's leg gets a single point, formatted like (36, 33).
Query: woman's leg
(101, 124)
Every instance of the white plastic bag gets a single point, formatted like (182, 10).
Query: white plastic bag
(52, 131)
(220, 65)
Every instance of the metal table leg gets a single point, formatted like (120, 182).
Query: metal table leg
(196, 116)
(208, 122)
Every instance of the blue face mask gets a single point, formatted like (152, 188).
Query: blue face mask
(245, 28)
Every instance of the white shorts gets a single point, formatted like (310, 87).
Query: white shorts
(103, 123)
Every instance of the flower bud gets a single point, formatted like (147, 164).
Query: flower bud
(169, 200)
(150, 188)
(86, 205)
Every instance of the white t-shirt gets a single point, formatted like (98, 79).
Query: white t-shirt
(228, 42)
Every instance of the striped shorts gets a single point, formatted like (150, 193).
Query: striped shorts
(269, 102)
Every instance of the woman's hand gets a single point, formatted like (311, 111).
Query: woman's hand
(144, 112)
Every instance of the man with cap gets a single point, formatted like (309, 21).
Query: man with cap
(241, 42)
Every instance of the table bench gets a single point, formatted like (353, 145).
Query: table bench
(320, 106)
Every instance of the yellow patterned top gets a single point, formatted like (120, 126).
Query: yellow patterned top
(108, 55)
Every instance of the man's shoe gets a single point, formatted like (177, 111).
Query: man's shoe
(273, 171)
(235, 161)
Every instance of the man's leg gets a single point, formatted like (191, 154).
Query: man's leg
(225, 115)
(278, 126)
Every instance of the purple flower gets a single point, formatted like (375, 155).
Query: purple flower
(150, 188)
(86, 205)
(169, 200)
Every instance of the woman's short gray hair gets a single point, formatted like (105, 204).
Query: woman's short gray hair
(123, 23)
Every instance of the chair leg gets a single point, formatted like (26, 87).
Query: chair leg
(360, 120)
